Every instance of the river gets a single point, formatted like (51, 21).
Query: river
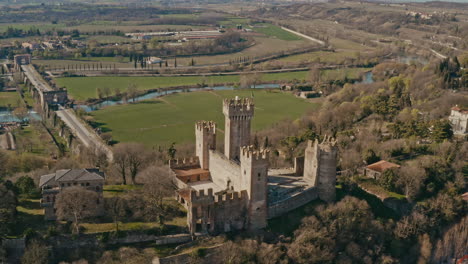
(94, 107)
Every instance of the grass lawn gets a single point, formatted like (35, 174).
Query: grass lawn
(9, 99)
(275, 31)
(34, 139)
(30, 215)
(82, 88)
(171, 118)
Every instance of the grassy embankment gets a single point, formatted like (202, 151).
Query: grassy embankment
(171, 118)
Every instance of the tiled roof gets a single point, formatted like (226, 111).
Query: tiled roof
(382, 165)
(460, 109)
(71, 175)
(46, 178)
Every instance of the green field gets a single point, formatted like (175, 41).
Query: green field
(275, 31)
(9, 99)
(171, 118)
(82, 88)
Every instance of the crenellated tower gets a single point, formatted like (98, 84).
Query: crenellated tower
(205, 138)
(238, 116)
(254, 172)
(320, 167)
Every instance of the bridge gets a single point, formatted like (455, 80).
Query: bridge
(56, 99)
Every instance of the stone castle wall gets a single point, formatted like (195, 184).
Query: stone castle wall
(222, 170)
(292, 202)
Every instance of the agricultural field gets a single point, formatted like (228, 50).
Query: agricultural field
(275, 31)
(83, 88)
(171, 118)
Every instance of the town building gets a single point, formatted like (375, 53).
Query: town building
(235, 189)
(52, 184)
(375, 170)
(459, 119)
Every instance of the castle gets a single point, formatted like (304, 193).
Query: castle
(236, 190)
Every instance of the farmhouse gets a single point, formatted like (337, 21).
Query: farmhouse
(235, 189)
(52, 184)
(375, 170)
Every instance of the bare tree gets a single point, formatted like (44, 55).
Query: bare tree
(314, 75)
(121, 161)
(35, 253)
(411, 179)
(130, 157)
(76, 204)
(132, 91)
(158, 184)
(21, 113)
(137, 157)
(116, 208)
(107, 91)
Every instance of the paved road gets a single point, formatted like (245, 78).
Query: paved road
(35, 78)
(87, 136)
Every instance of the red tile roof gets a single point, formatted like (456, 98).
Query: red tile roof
(382, 165)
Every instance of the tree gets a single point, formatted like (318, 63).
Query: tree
(99, 92)
(172, 151)
(266, 144)
(388, 179)
(256, 144)
(26, 186)
(8, 204)
(21, 113)
(132, 91)
(137, 157)
(342, 231)
(116, 207)
(3, 160)
(106, 90)
(411, 180)
(35, 253)
(314, 75)
(157, 185)
(121, 161)
(76, 204)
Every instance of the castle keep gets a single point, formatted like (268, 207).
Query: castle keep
(235, 189)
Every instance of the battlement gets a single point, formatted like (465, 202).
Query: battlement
(206, 126)
(328, 144)
(184, 163)
(243, 107)
(250, 153)
(197, 197)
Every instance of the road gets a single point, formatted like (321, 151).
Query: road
(304, 36)
(35, 78)
(86, 136)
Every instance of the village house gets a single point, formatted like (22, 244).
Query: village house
(31, 45)
(459, 119)
(375, 170)
(52, 184)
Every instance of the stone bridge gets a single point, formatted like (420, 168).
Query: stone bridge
(55, 100)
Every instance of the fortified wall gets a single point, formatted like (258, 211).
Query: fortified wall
(234, 190)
